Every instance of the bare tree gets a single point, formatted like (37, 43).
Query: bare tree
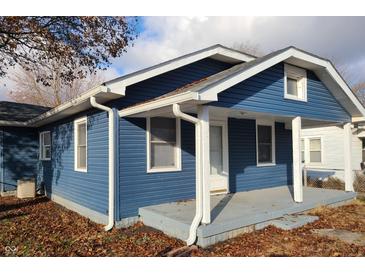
(249, 48)
(28, 90)
(356, 81)
(83, 43)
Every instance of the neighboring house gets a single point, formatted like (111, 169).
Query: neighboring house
(213, 121)
(323, 151)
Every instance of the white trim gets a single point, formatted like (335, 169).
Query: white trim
(225, 176)
(349, 175)
(76, 123)
(41, 145)
(159, 103)
(216, 50)
(297, 162)
(203, 116)
(307, 151)
(264, 122)
(211, 92)
(300, 75)
(177, 149)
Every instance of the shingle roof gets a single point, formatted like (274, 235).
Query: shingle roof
(17, 112)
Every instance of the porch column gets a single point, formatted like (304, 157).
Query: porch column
(297, 162)
(203, 116)
(349, 178)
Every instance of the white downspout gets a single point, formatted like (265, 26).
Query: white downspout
(111, 160)
(199, 187)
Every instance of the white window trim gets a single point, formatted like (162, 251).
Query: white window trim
(273, 152)
(77, 122)
(177, 166)
(41, 145)
(296, 73)
(307, 151)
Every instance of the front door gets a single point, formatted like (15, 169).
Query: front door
(218, 157)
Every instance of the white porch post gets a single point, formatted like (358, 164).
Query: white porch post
(297, 162)
(203, 116)
(349, 179)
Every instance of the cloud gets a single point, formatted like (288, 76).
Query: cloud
(337, 38)
(163, 38)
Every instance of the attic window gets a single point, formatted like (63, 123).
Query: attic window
(295, 85)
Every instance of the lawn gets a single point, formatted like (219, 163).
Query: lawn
(39, 227)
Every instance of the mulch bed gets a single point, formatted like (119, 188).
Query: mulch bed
(39, 227)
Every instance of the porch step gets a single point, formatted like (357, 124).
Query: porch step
(288, 222)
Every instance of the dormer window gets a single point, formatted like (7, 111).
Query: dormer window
(295, 83)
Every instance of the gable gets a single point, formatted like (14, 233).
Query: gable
(264, 92)
(169, 81)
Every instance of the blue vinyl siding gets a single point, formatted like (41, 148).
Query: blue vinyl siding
(19, 155)
(89, 189)
(169, 81)
(244, 174)
(264, 92)
(139, 188)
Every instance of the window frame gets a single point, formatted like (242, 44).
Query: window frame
(300, 75)
(41, 145)
(273, 146)
(76, 135)
(177, 148)
(307, 151)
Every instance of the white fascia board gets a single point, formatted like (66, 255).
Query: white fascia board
(97, 91)
(13, 123)
(211, 92)
(160, 103)
(358, 119)
(121, 84)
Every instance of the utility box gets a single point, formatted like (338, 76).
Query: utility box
(26, 188)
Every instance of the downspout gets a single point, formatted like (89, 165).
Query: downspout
(199, 187)
(111, 160)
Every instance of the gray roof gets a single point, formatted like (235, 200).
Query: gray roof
(18, 112)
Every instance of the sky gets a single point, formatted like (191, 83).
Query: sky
(340, 39)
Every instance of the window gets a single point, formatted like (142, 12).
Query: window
(163, 144)
(80, 127)
(295, 86)
(363, 149)
(265, 144)
(45, 145)
(315, 150)
(302, 145)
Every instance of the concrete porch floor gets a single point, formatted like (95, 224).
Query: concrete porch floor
(236, 213)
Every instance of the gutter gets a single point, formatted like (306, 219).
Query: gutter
(199, 185)
(112, 162)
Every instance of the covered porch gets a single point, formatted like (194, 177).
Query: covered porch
(237, 213)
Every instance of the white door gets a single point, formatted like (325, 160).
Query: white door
(218, 157)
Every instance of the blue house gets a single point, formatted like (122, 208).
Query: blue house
(215, 121)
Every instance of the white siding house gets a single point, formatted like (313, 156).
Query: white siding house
(323, 150)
